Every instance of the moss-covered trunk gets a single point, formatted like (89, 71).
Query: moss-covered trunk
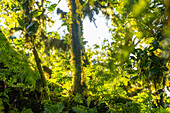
(75, 35)
(42, 81)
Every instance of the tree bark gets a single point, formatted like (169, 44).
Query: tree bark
(42, 81)
(75, 35)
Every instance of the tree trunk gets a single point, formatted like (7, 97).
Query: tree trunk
(42, 81)
(75, 35)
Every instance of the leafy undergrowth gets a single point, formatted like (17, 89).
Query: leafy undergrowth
(126, 73)
(27, 101)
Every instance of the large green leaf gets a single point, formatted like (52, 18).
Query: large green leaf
(36, 13)
(52, 7)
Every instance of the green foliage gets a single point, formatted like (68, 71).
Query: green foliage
(23, 111)
(58, 108)
(78, 98)
(130, 107)
(79, 109)
(1, 106)
(26, 110)
(158, 110)
(52, 7)
(14, 62)
(83, 109)
(36, 13)
(126, 74)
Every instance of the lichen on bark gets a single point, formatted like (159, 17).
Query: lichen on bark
(74, 38)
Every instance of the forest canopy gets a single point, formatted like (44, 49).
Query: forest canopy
(46, 72)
